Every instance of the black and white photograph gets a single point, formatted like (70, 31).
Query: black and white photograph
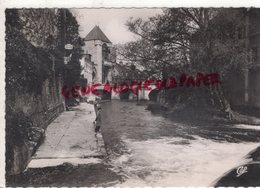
(132, 97)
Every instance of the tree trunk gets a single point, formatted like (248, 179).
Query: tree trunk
(219, 101)
(219, 98)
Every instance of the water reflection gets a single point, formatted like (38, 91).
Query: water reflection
(153, 150)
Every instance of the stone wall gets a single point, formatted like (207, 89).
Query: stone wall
(41, 109)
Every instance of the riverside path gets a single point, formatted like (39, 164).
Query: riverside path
(70, 137)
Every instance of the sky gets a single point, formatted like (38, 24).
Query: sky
(112, 21)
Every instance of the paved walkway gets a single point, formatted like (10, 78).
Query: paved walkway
(71, 135)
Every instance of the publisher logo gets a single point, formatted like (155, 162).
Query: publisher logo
(241, 170)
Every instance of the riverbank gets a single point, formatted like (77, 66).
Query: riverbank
(70, 143)
(205, 114)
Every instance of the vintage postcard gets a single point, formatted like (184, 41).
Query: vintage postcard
(132, 97)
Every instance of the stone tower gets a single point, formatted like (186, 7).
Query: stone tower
(95, 44)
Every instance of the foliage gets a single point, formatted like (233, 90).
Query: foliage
(26, 66)
(127, 73)
(69, 34)
(34, 39)
(20, 132)
(39, 26)
(190, 40)
(34, 44)
(149, 59)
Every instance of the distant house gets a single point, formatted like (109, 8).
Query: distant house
(124, 73)
(88, 70)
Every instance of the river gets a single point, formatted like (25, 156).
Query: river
(153, 150)
(146, 149)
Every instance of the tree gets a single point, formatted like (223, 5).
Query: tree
(69, 34)
(32, 35)
(191, 40)
(39, 26)
(26, 65)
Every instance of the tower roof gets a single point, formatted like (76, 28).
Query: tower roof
(97, 34)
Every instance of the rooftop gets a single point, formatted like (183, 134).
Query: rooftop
(97, 34)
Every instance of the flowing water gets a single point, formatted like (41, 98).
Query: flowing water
(153, 150)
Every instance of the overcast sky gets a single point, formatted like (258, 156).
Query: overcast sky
(111, 21)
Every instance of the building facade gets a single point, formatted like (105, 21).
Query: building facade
(99, 47)
(254, 48)
(88, 72)
(243, 88)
